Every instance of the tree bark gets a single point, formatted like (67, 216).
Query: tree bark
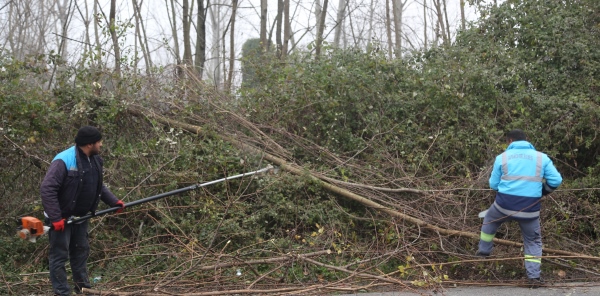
(440, 21)
(64, 14)
(398, 10)
(187, 43)
(200, 40)
(286, 28)
(371, 20)
(216, 44)
(173, 23)
(279, 26)
(321, 29)
(449, 36)
(141, 34)
(388, 28)
(339, 21)
(425, 24)
(231, 46)
(97, 36)
(463, 19)
(113, 35)
(263, 25)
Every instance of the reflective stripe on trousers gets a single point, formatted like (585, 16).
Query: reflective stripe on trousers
(532, 238)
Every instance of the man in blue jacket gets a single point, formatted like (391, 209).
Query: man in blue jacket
(521, 176)
(73, 187)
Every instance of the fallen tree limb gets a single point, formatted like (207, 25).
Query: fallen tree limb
(224, 292)
(284, 165)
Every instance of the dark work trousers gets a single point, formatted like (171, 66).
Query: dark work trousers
(532, 238)
(72, 245)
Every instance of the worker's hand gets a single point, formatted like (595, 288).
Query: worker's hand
(120, 204)
(59, 225)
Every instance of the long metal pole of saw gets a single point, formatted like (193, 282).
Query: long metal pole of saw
(163, 195)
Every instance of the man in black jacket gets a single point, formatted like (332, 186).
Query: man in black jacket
(73, 187)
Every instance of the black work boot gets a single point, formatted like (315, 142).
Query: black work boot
(481, 254)
(535, 283)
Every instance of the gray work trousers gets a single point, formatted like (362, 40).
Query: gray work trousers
(69, 245)
(532, 238)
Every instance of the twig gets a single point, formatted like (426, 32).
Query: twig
(572, 267)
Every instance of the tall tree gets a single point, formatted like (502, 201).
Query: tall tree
(287, 30)
(113, 35)
(215, 18)
(263, 24)
(231, 45)
(425, 24)
(187, 43)
(398, 11)
(339, 22)
(97, 43)
(200, 39)
(440, 21)
(448, 35)
(320, 28)
(463, 19)
(371, 20)
(141, 35)
(388, 28)
(174, 29)
(279, 25)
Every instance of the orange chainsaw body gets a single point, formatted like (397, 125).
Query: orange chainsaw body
(31, 228)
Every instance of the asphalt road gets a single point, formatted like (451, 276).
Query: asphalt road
(563, 289)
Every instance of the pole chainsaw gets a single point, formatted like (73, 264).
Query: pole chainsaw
(31, 228)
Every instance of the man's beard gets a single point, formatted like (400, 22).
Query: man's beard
(94, 151)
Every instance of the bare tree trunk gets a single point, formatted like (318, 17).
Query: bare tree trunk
(388, 27)
(200, 40)
(228, 86)
(463, 20)
(216, 44)
(279, 25)
(286, 28)
(187, 43)
(64, 13)
(113, 34)
(440, 21)
(425, 24)
(371, 20)
(449, 36)
(141, 34)
(97, 35)
(321, 29)
(173, 22)
(339, 21)
(11, 28)
(263, 25)
(86, 22)
(318, 9)
(398, 10)
(357, 41)
(41, 44)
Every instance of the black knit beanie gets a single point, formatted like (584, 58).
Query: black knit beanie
(87, 135)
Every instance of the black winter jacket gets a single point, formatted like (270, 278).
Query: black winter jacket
(62, 184)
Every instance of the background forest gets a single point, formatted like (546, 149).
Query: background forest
(383, 153)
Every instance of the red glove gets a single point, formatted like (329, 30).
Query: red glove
(120, 204)
(59, 225)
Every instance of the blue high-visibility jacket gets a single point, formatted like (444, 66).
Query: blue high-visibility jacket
(517, 175)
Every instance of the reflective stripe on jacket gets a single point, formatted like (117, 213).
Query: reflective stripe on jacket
(517, 175)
